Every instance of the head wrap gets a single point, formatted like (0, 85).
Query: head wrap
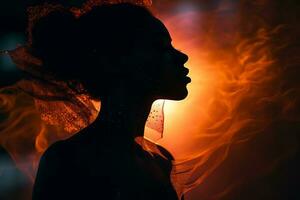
(56, 99)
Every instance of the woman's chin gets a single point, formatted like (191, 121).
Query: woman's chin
(177, 95)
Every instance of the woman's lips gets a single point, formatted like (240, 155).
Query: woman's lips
(187, 79)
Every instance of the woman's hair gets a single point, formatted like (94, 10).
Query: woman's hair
(88, 48)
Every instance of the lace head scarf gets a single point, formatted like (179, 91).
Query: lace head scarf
(66, 103)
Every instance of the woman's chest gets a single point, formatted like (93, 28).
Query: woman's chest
(126, 175)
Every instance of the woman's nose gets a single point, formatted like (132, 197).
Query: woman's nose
(186, 71)
(182, 57)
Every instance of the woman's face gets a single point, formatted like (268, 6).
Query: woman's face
(159, 67)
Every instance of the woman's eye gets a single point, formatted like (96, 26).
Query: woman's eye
(162, 46)
(166, 47)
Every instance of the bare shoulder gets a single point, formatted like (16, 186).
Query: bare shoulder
(54, 154)
(61, 151)
(56, 170)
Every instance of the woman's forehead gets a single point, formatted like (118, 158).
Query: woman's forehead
(158, 30)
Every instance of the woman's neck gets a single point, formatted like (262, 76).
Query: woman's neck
(123, 117)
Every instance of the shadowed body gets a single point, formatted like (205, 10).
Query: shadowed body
(123, 56)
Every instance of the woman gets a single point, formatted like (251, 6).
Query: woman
(121, 55)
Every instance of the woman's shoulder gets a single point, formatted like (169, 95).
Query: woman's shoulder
(55, 152)
(70, 145)
(63, 149)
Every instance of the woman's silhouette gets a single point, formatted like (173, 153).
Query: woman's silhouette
(122, 55)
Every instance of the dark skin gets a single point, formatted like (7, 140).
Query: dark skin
(103, 161)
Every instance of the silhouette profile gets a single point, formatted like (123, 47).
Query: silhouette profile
(122, 55)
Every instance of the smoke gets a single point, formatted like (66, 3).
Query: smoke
(238, 130)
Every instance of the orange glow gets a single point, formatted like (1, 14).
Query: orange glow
(234, 96)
